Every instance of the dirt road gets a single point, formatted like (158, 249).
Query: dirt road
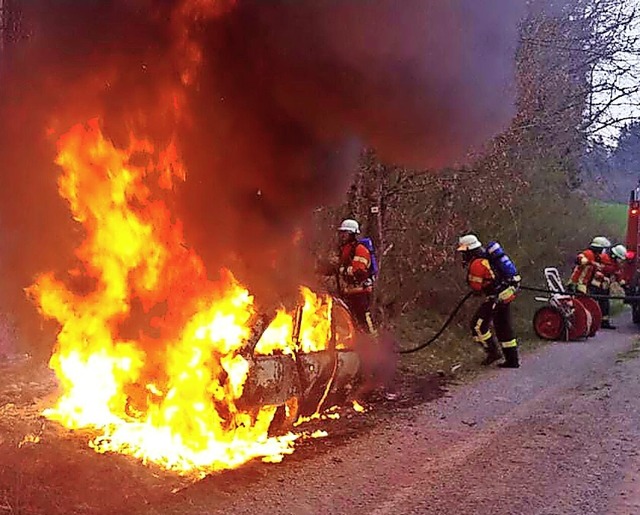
(558, 436)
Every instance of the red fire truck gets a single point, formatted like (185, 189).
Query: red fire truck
(632, 267)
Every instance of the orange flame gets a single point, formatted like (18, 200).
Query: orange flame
(315, 328)
(150, 350)
(169, 394)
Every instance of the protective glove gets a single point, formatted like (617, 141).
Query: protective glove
(507, 295)
(360, 275)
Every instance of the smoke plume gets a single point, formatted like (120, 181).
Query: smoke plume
(280, 98)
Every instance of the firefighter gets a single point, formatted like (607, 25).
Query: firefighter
(355, 278)
(587, 263)
(495, 310)
(616, 273)
(611, 260)
(356, 270)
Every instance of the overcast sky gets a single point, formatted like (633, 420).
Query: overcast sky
(626, 107)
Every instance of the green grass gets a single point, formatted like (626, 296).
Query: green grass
(613, 218)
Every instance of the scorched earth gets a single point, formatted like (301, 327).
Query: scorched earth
(560, 439)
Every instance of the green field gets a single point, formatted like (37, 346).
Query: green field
(613, 218)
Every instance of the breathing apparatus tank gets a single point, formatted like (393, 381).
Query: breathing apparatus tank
(501, 263)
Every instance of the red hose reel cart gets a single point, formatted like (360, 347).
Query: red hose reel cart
(565, 317)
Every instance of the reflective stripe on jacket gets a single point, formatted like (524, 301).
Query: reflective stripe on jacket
(586, 264)
(602, 276)
(355, 262)
(480, 276)
(613, 270)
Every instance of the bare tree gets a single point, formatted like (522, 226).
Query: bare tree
(594, 47)
(521, 188)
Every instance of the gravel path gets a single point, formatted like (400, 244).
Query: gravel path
(557, 436)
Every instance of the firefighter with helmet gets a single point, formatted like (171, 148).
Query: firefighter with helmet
(355, 278)
(356, 269)
(612, 260)
(587, 263)
(495, 312)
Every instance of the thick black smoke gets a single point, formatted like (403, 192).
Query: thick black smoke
(291, 90)
(288, 93)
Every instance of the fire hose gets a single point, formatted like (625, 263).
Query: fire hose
(594, 296)
(442, 329)
(464, 299)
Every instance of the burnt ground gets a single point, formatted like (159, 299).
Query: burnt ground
(46, 469)
(556, 436)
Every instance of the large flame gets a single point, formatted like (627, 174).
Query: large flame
(152, 353)
(315, 328)
(149, 350)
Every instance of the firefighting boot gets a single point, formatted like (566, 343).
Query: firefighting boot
(607, 325)
(510, 358)
(492, 350)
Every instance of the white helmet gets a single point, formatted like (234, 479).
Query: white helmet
(349, 225)
(468, 242)
(600, 242)
(619, 251)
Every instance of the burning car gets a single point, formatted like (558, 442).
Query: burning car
(304, 383)
(206, 382)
